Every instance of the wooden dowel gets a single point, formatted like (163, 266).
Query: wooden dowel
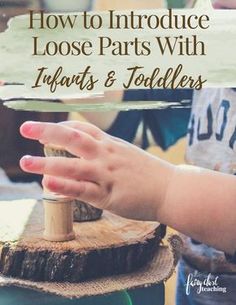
(58, 218)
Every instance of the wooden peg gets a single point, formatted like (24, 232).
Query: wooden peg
(58, 218)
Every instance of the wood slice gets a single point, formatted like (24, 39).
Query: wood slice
(111, 245)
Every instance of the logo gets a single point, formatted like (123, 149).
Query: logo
(203, 283)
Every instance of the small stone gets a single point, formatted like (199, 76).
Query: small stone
(54, 151)
(85, 212)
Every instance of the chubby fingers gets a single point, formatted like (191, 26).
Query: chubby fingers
(83, 190)
(69, 168)
(73, 140)
(92, 130)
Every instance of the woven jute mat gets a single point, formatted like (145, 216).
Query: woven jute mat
(158, 270)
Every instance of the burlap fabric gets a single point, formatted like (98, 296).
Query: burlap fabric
(158, 270)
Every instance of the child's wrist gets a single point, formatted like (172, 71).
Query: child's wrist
(172, 192)
(164, 174)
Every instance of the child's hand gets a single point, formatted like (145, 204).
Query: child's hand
(117, 176)
(110, 174)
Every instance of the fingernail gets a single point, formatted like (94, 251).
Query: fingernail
(28, 127)
(27, 160)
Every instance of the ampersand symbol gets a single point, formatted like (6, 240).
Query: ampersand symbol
(110, 79)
